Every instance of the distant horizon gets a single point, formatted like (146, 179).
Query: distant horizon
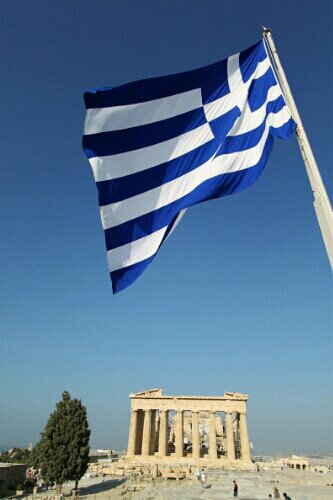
(313, 454)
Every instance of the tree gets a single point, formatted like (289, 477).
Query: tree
(63, 450)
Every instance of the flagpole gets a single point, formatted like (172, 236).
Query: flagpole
(321, 201)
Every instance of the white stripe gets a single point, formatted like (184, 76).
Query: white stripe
(135, 251)
(251, 120)
(119, 165)
(133, 115)
(239, 89)
(219, 107)
(261, 69)
(136, 206)
(235, 78)
(224, 104)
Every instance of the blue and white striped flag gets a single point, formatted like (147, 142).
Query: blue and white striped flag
(160, 145)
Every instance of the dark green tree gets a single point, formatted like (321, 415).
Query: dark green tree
(63, 450)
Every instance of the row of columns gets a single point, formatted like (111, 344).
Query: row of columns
(147, 441)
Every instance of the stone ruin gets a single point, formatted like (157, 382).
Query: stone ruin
(177, 434)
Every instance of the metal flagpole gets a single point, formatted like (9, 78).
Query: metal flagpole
(321, 201)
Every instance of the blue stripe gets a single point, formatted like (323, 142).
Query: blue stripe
(250, 139)
(249, 58)
(121, 141)
(259, 89)
(221, 185)
(142, 90)
(285, 131)
(122, 278)
(125, 187)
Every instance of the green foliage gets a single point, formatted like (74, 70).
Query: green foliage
(19, 487)
(35, 456)
(63, 451)
(17, 456)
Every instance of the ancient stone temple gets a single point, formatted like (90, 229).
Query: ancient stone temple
(200, 430)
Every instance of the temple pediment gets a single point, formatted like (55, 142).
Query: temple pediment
(149, 392)
(158, 393)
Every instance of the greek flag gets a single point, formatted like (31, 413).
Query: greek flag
(158, 146)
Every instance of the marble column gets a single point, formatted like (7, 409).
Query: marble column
(212, 436)
(139, 432)
(244, 438)
(230, 437)
(158, 428)
(152, 445)
(179, 434)
(146, 432)
(163, 434)
(195, 435)
(132, 434)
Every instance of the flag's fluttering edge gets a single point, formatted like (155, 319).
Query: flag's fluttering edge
(160, 145)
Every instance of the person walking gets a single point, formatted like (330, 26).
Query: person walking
(286, 497)
(235, 488)
(276, 493)
(203, 477)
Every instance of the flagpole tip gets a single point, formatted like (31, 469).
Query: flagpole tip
(266, 30)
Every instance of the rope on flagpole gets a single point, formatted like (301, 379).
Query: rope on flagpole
(321, 201)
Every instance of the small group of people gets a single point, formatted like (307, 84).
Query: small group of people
(276, 494)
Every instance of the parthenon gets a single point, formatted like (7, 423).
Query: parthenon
(202, 430)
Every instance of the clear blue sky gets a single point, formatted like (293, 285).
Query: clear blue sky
(238, 299)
